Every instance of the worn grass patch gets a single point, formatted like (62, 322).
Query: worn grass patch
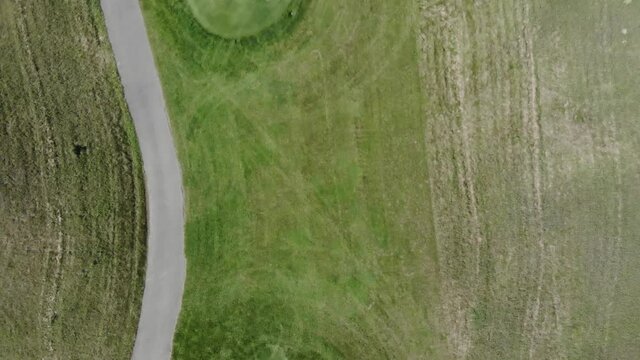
(72, 211)
(533, 152)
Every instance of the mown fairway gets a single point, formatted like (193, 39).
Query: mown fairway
(309, 225)
(409, 180)
(72, 214)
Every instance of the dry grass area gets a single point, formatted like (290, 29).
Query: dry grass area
(72, 211)
(534, 149)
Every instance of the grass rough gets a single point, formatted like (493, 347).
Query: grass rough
(72, 202)
(533, 154)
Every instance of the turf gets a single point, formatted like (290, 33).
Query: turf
(308, 224)
(534, 168)
(238, 18)
(72, 209)
(408, 180)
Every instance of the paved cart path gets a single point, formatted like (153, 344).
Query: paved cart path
(165, 275)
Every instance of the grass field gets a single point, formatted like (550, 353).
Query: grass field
(72, 209)
(308, 230)
(533, 139)
(409, 180)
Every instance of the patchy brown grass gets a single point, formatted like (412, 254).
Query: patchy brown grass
(533, 172)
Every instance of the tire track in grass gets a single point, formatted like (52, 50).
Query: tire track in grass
(462, 80)
(51, 287)
(533, 135)
(444, 42)
(613, 252)
(457, 43)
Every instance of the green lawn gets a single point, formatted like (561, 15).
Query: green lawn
(409, 180)
(308, 230)
(72, 209)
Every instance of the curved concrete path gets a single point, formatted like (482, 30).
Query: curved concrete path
(165, 274)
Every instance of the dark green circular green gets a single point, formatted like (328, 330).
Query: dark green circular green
(235, 19)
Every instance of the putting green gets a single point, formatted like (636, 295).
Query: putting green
(237, 18)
